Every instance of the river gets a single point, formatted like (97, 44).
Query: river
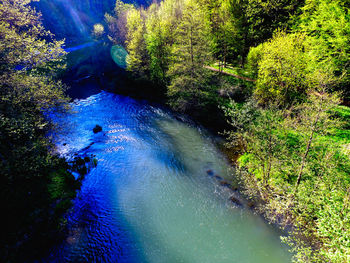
(156, 194)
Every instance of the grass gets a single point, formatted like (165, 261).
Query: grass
(230, 69)
(342, 135)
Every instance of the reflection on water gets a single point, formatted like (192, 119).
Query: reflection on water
(150, 198)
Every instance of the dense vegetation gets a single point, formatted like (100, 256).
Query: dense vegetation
(36, 188)
(279, 70)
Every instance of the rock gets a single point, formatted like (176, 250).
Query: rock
(251, 204)
(218, 177)
(97, 129)
(226, 184)
(86, 159)
(235, 200)
(234, 188)
(79, 161)
(210, 172)
(82, 170)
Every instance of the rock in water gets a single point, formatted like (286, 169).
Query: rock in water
(225, 184)
(251, 204)
(235, 201)
(97, 129)
(218, 177)
(210, 172)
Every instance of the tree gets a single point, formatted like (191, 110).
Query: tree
(223, 30)
(190, 52)
(264, 17)
(314, 119)
(290, 160)
(158, 40)
(256, 134)
(116, 22)
(321, 180)
(254, 21)
(327, 25)
(36, 188)
(138, 58)
(281, 69)
(98, 30)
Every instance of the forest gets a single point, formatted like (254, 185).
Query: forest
(36, 186)
(271, 77)
(278, 73)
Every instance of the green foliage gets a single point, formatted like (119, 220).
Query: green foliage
(98, 30)
(253, 59)
(34, 182)
(237, 25)
(316, 55)
(168, 45)
(253, 125)
(138, 58)
(257, 20)
(116, 22)
(290, 64)
(158, 40)
(292, 135)
(264, 17)
(327, 25)
(288, 150)
(281, 69)
(190, 52)
(224, 32)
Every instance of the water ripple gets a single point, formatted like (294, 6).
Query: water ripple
(158, 192)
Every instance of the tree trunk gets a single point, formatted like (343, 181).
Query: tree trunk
(307, 150)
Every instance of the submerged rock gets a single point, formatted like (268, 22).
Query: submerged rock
(210, 172)
(234, 188)
(79, 161)
(225, 184)
(97, 129)
(235, 201)
(251, 204)
(218, 177)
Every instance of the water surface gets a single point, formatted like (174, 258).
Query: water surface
(150, 198)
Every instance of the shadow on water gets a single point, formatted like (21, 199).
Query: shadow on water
(90, 69)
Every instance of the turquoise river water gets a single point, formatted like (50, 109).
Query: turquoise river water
(155, 195)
